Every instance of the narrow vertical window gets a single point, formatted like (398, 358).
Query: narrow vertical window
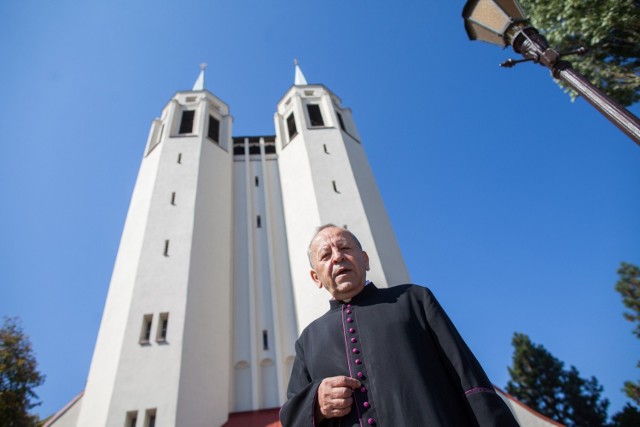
(161, 132)
(259, 221)
(214, 129)
(145, 332)
(163, 327)
(179, 158)
(291, 126)
(166, 248)
(173, 198)
(257, 181)
(150, 416)
(265, 340)
(132, 419)
(325, 148)
(186, 124)
(315, 116)
(335, 187)
(341, 121)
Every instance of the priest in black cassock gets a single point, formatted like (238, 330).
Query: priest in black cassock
(382, 357)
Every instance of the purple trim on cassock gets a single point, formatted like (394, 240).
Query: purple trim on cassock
(313, 408)
(346, 346)
(479, 390)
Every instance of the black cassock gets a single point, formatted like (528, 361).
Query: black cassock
(414, 367)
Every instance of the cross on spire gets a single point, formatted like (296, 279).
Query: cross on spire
(299, 79)
(199, 84)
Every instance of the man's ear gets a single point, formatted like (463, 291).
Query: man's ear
(314, 277)
(366, 260)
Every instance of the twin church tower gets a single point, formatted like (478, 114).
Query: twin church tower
(211, 285)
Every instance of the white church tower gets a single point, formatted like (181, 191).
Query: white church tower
(326, 178)
(211, 283)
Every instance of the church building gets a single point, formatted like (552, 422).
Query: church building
(211, 286)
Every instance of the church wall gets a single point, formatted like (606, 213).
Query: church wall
(106, 356)
(203, 396)
(215, 244)
(325, 167)
(67, 416)
(341, 202)
(300, 209)
(389, 261)
(241, 349)
(259, 366)
(283, 307)
(149, 373)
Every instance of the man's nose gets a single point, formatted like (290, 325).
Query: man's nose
(337, 256)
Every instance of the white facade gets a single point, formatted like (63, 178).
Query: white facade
(211, 283)
(326, 178)
(157, 353)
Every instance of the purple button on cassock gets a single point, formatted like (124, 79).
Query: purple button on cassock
(355, 351)
(360, 375)
(366, 404)
(358, 362)
(354, 340)
(349, 320)
(363, 389)
(348, 311)
(371, 421)
(352, 330)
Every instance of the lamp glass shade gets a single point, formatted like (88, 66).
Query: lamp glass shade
(489, 20)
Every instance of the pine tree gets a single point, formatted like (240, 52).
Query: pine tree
(18, 377)
(610, 29)
(539, 380)
(629, 287)
(582, 403)
(536, 377)
(629, 416)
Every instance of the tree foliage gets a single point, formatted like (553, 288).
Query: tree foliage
(18, 376)
(583, 405)
(610, 29)
(629, 416)
(539, 380)
(536, 377)
(629, 287)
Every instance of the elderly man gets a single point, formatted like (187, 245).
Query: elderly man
(383, 357)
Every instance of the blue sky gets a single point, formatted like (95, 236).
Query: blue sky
(512, 203)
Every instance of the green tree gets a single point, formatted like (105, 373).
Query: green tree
(19, 376)
(610, 29)
(539, 380)
(536, 377)
(629, 416)
(583, 405)
(629, 287)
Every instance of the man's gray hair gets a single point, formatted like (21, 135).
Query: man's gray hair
(323, 227)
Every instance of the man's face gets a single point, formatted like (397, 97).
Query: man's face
(339, 264)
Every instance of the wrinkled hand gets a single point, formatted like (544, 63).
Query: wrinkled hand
(334, 396)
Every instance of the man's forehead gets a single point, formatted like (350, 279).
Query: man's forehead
(330, 236)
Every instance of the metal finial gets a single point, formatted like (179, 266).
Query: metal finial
(299, 77)
(203, 66)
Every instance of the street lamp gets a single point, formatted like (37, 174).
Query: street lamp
(504, 22)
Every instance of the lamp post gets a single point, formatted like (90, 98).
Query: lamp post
(504, 23)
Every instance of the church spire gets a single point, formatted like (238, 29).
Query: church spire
(199, 84)
(299, 78)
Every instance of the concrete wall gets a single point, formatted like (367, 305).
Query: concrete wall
(235, 290)
(174, 263)
(326, 178)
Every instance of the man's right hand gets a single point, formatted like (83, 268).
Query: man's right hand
(335, 396)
